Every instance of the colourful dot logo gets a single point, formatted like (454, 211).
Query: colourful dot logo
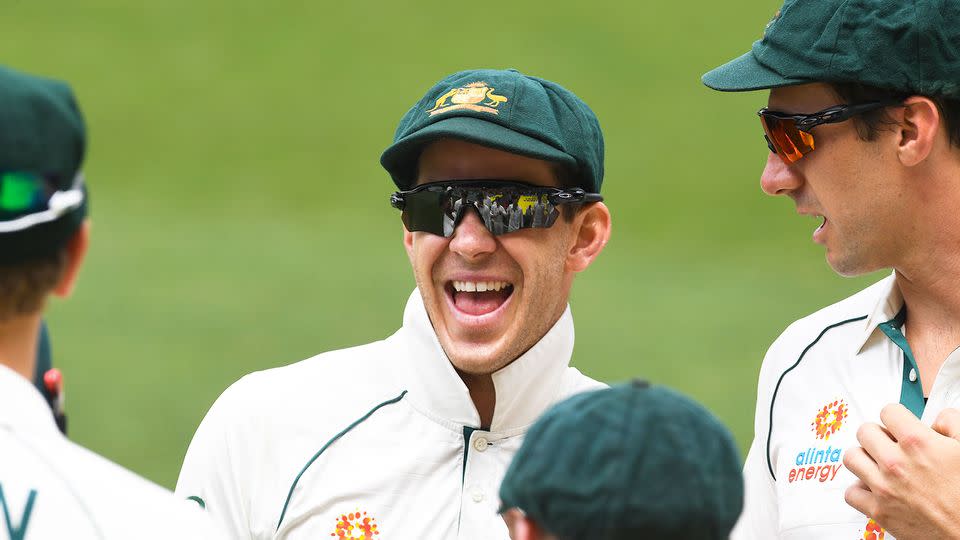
(355, 525)
(829, 420)
(873, 531)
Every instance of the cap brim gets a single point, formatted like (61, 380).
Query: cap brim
(744, 74)
(400, 159)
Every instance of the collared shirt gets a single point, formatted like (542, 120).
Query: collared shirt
(381, 438)
(821, 379)
(52, 488)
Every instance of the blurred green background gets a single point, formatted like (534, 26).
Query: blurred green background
(241, 219)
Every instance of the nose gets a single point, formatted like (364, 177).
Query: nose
(471, 239)
(778, 178)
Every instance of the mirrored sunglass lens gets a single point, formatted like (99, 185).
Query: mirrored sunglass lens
(785, 139)
(21, 192)
(502, 210)
(425, 211)
(508, 212)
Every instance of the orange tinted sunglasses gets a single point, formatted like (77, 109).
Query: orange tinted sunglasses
(788, 135)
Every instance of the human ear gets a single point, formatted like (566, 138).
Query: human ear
(76, 252)
(592, 232)
(917, 130)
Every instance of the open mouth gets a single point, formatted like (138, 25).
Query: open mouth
(478, 298)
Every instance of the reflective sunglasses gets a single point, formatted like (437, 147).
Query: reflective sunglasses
(504, 207)
(28, 199)
(788, 135)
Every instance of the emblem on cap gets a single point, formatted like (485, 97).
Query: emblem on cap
(476, 96)
(356, 525)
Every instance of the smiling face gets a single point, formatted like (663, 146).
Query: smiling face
(850, 186)
(490, 298)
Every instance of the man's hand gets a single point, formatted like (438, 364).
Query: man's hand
(909, 474)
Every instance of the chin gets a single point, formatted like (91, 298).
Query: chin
(850, 266)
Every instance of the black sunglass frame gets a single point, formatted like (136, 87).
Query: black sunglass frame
(554, 195)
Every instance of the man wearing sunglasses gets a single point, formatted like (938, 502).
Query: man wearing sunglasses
(498, 178)
(50, 487)
(863, 127)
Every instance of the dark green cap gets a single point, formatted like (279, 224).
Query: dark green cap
(630, 461)
(907, 45)
(502, 109)
(41, 133)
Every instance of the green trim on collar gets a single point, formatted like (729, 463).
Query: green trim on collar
(467, 433)
(911, 389)
(336, 437)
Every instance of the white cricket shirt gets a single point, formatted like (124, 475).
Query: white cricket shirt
(821, 379)
(377, 441)
(51, 488)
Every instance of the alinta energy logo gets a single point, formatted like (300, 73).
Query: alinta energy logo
(818, 462)
(873, 531)
(355, 525)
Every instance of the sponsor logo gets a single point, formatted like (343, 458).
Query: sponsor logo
(817, 462)
(873, 531)
(829, 420)
(476, 96)
(355, 525)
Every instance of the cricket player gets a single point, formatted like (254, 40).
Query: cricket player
(499, 176)
(624, 463)
(50, 487)
(863, 126)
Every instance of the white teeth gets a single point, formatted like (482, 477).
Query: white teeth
(479, 286)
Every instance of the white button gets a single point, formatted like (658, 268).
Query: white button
(477, 496)
(481, 444)
(913, 375)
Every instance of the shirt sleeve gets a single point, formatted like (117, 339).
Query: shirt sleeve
(759, 520)
(211, 472)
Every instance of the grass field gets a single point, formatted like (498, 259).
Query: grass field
(241, 218)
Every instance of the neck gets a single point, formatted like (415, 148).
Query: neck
(18, 344)
(484, 395)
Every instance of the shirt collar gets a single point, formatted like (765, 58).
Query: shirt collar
(525, 387)
(889, 303)
(21, 405)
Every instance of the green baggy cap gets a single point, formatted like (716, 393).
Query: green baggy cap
(907, 45)
(41, 133)
(630, 461)
(506, 110)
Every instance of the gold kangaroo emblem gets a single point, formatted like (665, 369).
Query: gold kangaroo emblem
(495, 100)
(443, 99)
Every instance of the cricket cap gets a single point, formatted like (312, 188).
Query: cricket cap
(630, 461)
(42, 144)
(506, 110)
(911, 46)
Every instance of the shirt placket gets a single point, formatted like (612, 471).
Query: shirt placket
(911, 388)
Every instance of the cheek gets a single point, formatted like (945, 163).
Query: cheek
(425, 250)
(539, 256)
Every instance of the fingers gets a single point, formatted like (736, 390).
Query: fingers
(900, 421)
(861, 498)
(948, 423)
(878, 443)
(859, 462)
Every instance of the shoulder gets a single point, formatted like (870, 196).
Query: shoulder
(847, 316)
(332, 375)
(320, 392)
(116, 501)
